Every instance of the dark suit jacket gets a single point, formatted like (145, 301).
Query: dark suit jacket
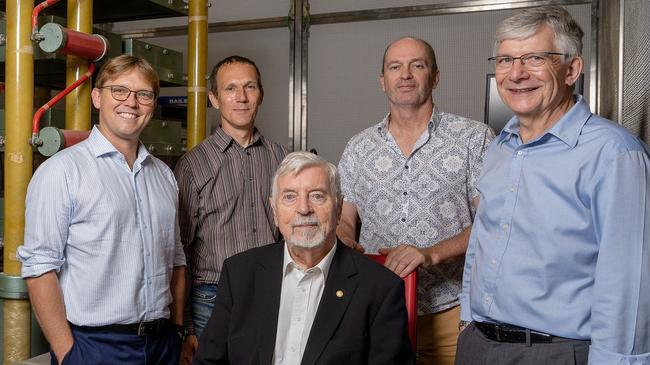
(367, 325)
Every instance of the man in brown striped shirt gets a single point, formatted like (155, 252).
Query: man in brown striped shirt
(224, 187)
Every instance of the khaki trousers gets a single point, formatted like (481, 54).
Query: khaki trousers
(437, 335)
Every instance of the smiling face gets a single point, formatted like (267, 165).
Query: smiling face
(123, 121)
(537, 95)
(408, 76)
(237, 95)
(305, 210)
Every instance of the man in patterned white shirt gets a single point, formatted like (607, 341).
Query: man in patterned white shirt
(410, 181)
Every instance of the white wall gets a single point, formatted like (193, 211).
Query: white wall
(345, 59)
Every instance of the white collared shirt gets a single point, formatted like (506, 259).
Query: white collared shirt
(301, 293)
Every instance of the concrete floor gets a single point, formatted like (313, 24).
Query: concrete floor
(43, 359)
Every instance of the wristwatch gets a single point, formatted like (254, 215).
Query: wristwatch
(462, 324)
(180, 331)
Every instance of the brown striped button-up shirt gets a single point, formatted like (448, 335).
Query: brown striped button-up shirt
(224, 204)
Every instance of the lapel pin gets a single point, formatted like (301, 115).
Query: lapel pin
(339, 293)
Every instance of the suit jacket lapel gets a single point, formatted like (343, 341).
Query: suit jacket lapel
(337, 294)
(268, 284)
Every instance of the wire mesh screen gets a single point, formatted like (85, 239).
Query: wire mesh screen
(636, 72)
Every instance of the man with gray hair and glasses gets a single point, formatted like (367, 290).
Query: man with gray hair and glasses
(559, 255)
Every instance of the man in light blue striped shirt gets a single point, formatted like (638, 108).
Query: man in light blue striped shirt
(102, 255)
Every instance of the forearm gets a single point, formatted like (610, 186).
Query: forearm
(177, 288)
(449, 249)
(346, 233)
(47, 301)
(346, 230)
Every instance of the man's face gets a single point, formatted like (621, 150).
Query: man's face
(304, 209)
(533, 94)
(408, 77)
(123, 120)
(238, 96)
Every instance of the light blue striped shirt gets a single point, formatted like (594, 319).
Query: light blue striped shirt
(110, 232)
(561, 238)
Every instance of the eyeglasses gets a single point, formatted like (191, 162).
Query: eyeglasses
(530, 61)
(121, 93)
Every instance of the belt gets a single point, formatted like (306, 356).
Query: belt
(150, 328)
(512, 334)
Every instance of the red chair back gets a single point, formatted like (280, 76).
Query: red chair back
(411, 294)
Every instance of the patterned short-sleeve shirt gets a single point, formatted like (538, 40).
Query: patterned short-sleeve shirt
(420, 199)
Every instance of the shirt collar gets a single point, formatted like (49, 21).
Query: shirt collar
(323, 265)
(434, 121)
(224, 140)
(101, 146)
(567, 129)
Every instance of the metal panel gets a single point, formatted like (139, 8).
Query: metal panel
(168, 63)
(164, 137)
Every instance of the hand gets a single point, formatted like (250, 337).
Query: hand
(354, 245)
(62, 350)
(357, 246)
(404, 259)
(188, 349)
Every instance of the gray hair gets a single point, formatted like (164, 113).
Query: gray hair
(524, 24)
(300, 160)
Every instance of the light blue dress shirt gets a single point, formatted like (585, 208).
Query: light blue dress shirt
(111, 233)
(561, 239)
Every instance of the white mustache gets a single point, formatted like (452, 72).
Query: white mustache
(304, 222)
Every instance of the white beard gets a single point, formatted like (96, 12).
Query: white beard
(307, 239)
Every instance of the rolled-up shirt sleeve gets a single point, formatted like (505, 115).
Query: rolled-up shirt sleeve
(620, 316)
(48, 209)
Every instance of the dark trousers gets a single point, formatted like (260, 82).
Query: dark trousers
(106, 348)
(475, 349)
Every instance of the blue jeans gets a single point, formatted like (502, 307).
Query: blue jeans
(203, 297)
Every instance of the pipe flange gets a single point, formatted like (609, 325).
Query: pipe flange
(12, 287)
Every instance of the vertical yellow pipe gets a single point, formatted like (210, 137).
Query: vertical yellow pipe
(19, 82)
(197, 38)
(77, 103)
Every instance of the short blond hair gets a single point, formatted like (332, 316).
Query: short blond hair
(119, 65)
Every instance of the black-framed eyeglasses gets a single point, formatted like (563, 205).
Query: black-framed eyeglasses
(121, 93)
(530, 61)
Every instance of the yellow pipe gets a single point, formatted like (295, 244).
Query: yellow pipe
(19, 83)
(77, 103)
(197, 38)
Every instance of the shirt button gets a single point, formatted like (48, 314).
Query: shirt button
(486, 299)
(494, 262)
(248, 153)
(406, 167)
(512, 189)
(405, 193)
(519, 153)
(505, 226)
(254, 230)
(403, 219)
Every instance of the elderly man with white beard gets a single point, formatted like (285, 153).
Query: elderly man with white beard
(309, 299)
